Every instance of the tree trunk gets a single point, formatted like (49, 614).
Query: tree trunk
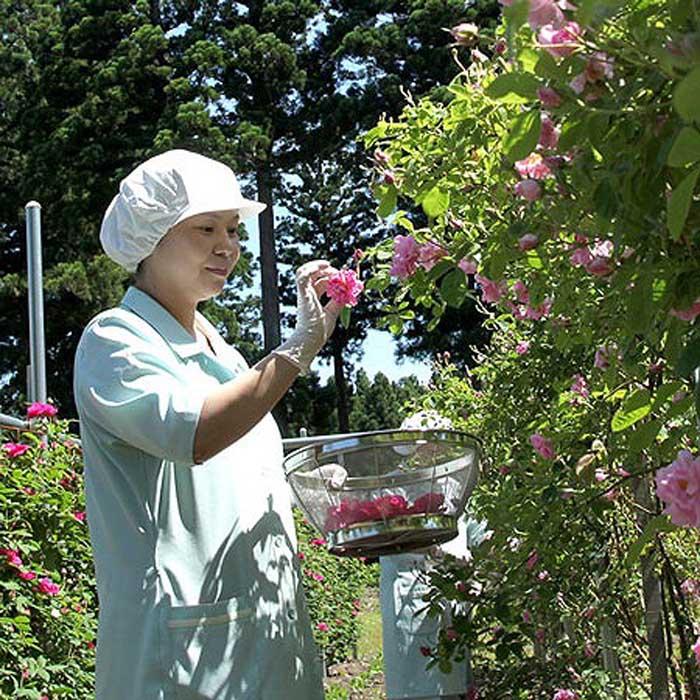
(653, 613)
(340, 383)
(268, 263)
(269, 282)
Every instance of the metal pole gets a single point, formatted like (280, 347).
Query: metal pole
(36, 303)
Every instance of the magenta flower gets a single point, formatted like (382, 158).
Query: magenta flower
(565, 695)
(528, 242)
(521, 292)
(533, 167)
(344, 287)
(14, 449)
(548, 97)
(696, 650)
(467, 266)
(26, 575)
(544, 12)
(560, 41)
(37, 409)
(691, 587)
(678, 486)
(47, 586)
(381, 157)
(527, 617)
(549, 134)
(428, 503)
(79, 515)
(522, 347)
(429, 254)
(689, 314)
(543, 446)
(491, 291)
(322, 627)
(425, 651)
(391, 506)
(316, 576)
(405, 260)
(12, 557)
(529, 189)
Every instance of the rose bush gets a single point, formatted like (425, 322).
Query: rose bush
(559, 183)
(334, 587)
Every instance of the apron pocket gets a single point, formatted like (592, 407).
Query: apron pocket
(208, 646)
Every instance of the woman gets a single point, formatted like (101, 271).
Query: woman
(187, 504)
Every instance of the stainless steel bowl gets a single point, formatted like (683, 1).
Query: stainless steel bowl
(387, 491)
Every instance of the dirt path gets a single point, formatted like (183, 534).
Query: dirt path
(361, 678)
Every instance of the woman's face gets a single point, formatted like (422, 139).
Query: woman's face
(198, 254)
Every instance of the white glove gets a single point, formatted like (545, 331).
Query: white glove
(315, 323)
(333, 475)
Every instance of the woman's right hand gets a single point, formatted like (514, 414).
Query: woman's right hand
(315, 323)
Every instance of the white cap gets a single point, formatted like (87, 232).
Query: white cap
(162, 192)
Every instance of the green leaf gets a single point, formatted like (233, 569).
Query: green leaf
(664, 393)
(685, 149)
(634, 408)
(689, 358)
(345, 316)
(685, 96)
(679, 204)
(523, 135)
(388, 202)
(660, 523)
(436, 202)
(513, 88)
(453, 288)
(516, 14)
(644, 436)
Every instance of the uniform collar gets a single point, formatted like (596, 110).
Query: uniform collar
(163, 321)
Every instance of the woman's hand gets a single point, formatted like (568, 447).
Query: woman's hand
(315, 323)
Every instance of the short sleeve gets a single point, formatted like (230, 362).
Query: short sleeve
(129, 386)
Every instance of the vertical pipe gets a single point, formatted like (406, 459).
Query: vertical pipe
(36, 303)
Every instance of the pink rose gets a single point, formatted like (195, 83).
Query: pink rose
(544, 12)
(543, 446)
(14, 449)
(549, 98)
(344, 287)
(467, 266)
(48, 587)
(579, 386)
(405, 260)
(528, 242)
(429, 254)
(560, 41)
(318, 542)
(549, 134)
(678, 486)
(26, 575)
(599, 266)
(533, 167)
(322, 627)
(565, 695)
(12, 557)
(491, 292)
(391, 506)
(522, 347)
(529, 190)
(428, 503)
(521, 292)
(38, 409)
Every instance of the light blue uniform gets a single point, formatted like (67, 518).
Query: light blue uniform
(197, 576)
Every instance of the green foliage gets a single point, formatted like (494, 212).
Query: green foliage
(602, 365)
(334, 593)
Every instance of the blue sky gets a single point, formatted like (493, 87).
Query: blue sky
(379, 346)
